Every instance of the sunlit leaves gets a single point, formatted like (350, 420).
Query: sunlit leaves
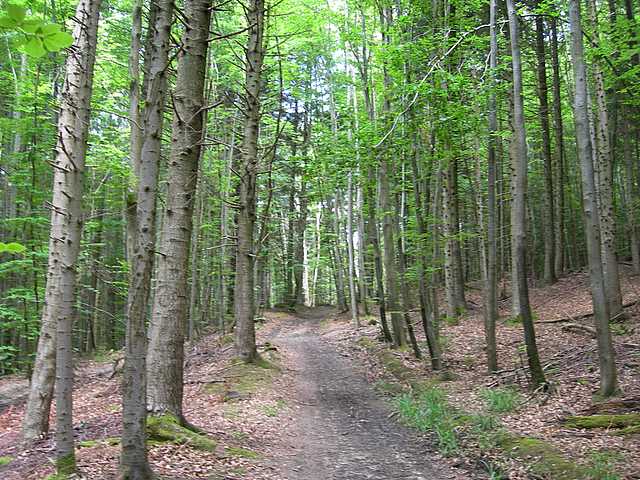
(12, 247)
(36, 37)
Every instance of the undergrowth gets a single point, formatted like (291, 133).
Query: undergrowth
(500, 400)
(430, 411)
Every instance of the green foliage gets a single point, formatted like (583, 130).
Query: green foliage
(37, 37)
(12, 247)
(501, 400)
(602, 465)
(6, 460)
(430, 411)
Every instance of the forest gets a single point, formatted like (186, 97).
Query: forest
(300, 239)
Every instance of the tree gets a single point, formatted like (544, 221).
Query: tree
(133, 461)
(170, 302)
(518, 207)
(244, 303)
(54, 347)
(606, 354)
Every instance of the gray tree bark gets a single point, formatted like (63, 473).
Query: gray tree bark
(244, 302)
(606, 354)
(491, 287)
(171, 302)
(133, 461)
(605, 186)
(54, 354)
(543, 112)
(519, 203)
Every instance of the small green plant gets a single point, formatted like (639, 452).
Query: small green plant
(500, 400)
(513, 321)
(431, 412)
(619, 328)
(602, 465)
(272, 410)
(5, 461)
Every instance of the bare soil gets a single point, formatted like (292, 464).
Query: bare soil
(343, 429)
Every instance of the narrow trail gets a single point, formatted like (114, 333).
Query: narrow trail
(342, 428)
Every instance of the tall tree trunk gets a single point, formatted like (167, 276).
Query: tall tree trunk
(605, 187)
(388, 211)
(543, 112)
(171, 303)
(491, 287)
(454, 287)
(559, 152)
(519, 203)
(355, 314)
(244, 302)
(631, 193)
(54, 355)
(133, 461)
(337, 255)
(606, 354)
(423, 291)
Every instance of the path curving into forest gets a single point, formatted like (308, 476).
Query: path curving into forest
(343, 429)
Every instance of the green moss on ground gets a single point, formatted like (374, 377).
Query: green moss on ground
(629, 423)
(542, 458)
(241, 452)
(167, 429)
(6, 460)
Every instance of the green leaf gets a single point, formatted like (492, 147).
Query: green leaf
(16, 12)
(12, 247)
(7, 22)
(58, 41)
(50, 29)
(31, 25)
(34, 48)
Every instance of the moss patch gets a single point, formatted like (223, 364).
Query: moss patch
(628, 422)
(241, 452)
(167, 429)
(5, 461)
(543, 458)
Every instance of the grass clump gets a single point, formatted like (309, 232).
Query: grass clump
(500, 400)
(602, 465)
(274, 409)
(241, 452)
(429, 411)
(6, 460)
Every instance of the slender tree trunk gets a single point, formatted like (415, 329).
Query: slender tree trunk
(519, 203)
(605, 187)
(171, 303)
(54, 352)
(543, 112)
(386, 205)
(244, 302)
(559, 152)
(606, 353)
(337, 255)
(454, 287)
(133, 461)
(423, 291)
(491, 287)
(631, 194)
(355, 314)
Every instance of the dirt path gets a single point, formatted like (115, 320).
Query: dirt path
(342, 429)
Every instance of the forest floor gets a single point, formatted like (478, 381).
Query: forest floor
(307, 412)
(324, 404)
